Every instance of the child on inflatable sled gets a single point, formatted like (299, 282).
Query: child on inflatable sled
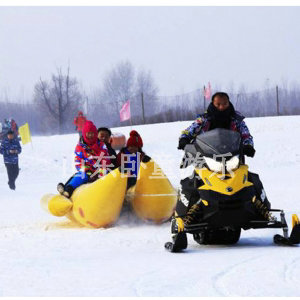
(92, 160)
(129, 157)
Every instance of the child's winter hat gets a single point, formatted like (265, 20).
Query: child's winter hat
(89, 127)
(135, 140)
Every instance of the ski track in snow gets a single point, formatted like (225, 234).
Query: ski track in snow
(220, 279)
(260, 271)
(41, 255)
(292, 271)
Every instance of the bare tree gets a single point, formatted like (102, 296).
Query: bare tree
(60, 98)
(118, 87)
(145, 93)
(118, 84)
(145, 85)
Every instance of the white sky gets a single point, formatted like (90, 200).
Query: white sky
(184, 47)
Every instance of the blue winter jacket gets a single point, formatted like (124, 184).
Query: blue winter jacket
(6, 146)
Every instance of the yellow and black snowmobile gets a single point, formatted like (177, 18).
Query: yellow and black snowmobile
(222, 196)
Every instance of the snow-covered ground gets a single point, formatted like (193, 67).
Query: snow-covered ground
(42, 255)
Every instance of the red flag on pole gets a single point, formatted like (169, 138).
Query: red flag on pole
(125, 111)
(207, 92)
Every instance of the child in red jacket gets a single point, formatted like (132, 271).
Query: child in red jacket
(91, 160)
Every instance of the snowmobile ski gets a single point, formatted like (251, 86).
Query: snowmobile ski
(179, 243)
(294, 238)
(170, 247)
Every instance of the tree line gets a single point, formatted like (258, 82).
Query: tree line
(57, 100)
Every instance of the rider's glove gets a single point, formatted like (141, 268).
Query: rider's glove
(182, 143)
(248, 150)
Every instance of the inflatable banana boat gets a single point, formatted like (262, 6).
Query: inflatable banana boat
(99, 204)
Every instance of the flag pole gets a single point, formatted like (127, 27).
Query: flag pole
(130, 116)
(204, 99)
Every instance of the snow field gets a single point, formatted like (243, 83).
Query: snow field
(42, 255)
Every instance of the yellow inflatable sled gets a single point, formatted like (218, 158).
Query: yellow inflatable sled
(99, 204)
(153, 198)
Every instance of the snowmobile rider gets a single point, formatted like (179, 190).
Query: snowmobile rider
(11, 148)
(104, 135)
(129, 157)
(91, 160)
(220, 114)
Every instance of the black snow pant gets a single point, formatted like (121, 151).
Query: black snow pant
(12, 172)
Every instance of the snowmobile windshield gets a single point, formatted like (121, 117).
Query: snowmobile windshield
(218, 142)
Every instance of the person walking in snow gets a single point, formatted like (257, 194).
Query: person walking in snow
(10, 148)
(79, 122)
(91, 160)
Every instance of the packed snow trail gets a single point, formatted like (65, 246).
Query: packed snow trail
(42, 255)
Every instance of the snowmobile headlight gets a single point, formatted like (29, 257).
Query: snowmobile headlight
(217, 166)
(213, 165)
(232, 163)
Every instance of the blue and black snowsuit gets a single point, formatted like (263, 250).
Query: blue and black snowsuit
(10, 149)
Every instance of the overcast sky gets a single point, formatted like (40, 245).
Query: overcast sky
(184, 47)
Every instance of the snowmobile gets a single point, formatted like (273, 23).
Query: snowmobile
(223, 197)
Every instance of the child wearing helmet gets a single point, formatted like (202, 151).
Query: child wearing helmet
(10, 148)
